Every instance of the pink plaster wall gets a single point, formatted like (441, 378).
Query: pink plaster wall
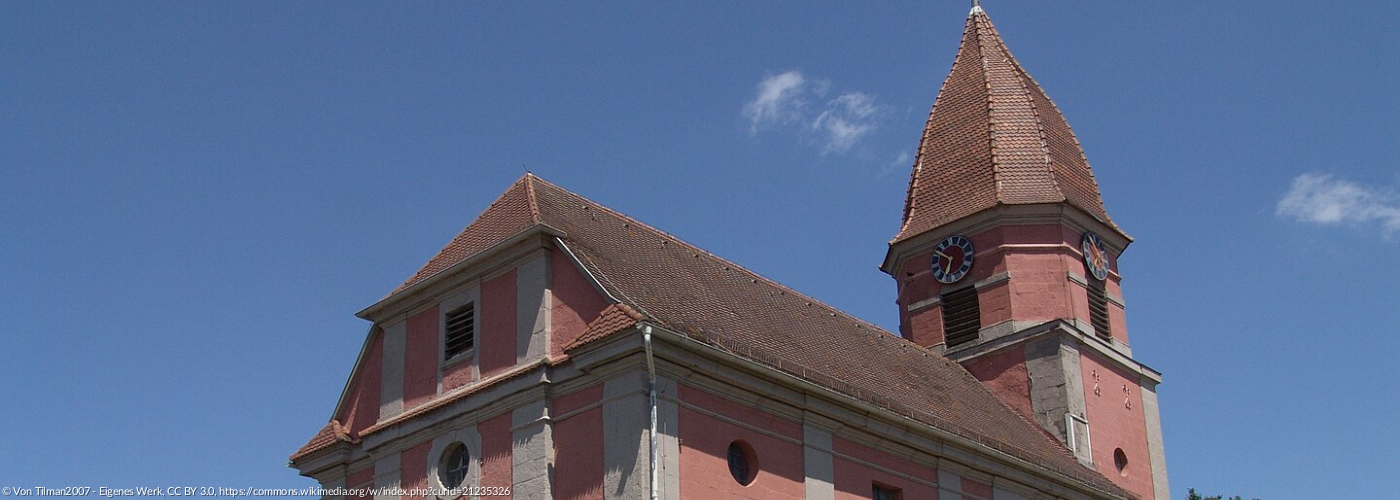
(457, 374)
(973, 490)
(1005, 374)
(578, 446)
(853, 477)
(1117, 322)
(925, 327)
(1112, 424)
(497, 339)
(420, 367)
(1039, 288)
(575, 302)
(1037, 291)
(361, 408)
(413, 469)
(360, 478)
(495, 451)
(704, 469)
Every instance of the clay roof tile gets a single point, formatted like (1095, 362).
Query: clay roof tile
(994, 138)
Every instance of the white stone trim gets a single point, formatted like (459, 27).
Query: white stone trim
(392, 370)
(1157, 455)
(532, 451)
(469, 437)
(819, 467)
(949, 482)
(625, 448)
(924, 304)
(532, 308)
(668, 426)
(387, 475)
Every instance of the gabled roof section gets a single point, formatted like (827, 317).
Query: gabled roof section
(513, 212)
(663, 280)
(994, 138)
(331, 434)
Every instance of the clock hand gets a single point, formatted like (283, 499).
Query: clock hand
(948, 268)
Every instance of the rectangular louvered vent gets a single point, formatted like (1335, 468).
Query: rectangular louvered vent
(1098, 308)
(961, 317)
(460, 331)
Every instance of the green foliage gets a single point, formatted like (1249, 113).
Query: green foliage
(1192, 495)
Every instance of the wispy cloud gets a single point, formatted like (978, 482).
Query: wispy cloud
(901, 161)
(779, 101)
(846, 119)
(1321, 199)
(795, 103)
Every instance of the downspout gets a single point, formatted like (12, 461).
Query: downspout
(651, 394)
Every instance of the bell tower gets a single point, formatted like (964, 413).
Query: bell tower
(1007, 262)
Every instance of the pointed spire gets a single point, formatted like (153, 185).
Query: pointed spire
(994, 138)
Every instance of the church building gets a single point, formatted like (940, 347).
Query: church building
(557, 348)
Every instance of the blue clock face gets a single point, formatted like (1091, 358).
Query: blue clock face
(1095, 257)
(952, 259)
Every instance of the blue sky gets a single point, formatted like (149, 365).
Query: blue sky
(197, 197)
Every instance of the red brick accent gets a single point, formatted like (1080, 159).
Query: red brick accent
(1005, 374)
(705, 443)
(853, 478)
(578, 446)
(575, 301)
(495, 451)
(420, 367)
(497, 309)
(361, 408)
(413, 469)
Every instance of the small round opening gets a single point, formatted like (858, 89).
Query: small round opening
(1120, 461)
(452, 470)
(743, 464)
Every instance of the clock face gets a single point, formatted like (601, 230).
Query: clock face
(1095, 257)
(952, 259)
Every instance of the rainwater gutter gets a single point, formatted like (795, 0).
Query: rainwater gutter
(651, 394)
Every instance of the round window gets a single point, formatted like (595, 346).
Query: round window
(1120, 461)
(743, 465)
(452, 471)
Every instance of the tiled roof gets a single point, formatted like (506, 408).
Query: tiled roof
(994, 138)
(513, 212)
(613, 319)
(659, 278)
(332, 433)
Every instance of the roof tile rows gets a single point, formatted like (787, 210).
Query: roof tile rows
(673, 284)
(993, 137)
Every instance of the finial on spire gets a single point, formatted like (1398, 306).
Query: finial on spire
(976, 7)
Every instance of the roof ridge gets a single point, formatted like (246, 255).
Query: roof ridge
(991, 129)
(529, 179)
(1024, 78)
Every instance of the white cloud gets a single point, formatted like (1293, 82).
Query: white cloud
(901, 161)
(779, 101)
(784, 101)
(1320, 199)
(846, 120)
